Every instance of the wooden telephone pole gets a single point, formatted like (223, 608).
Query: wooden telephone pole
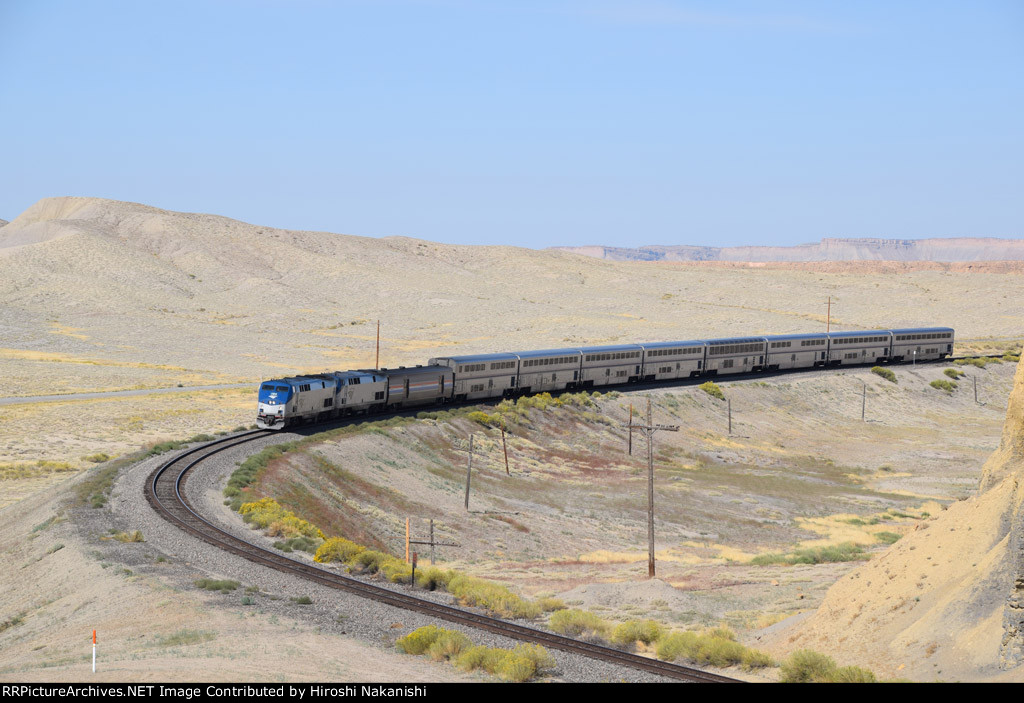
(648, 430)
(376, 362)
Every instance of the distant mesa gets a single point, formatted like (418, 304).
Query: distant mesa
(829, 249)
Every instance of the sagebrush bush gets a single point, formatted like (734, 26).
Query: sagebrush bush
(573, 622)
(847, 551)
(712, 389)
(266, 513)
(885, 373)
(943, 385)
(806, 666)
(337, 549)
(419, 640)
(432, 577)
(491, 596)
(954, 373)
(631, 631)
(448, 645)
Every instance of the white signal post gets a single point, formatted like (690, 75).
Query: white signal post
(94, 651)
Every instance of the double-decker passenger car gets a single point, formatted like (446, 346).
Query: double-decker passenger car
(864, 347)
(734, 355)
(665, 361)
(609, 365)
(795, 351)
(922, 343)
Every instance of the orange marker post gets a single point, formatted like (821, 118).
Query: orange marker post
(94, 651)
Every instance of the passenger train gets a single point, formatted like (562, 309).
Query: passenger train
(445, 379)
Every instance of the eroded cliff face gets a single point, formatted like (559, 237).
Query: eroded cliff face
(947, 600)
(1006, 466)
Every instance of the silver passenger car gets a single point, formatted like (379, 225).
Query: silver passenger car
(919, 343)
(608, 365)
(664, 361)
(735, 355)
(548, 370)
(482, 375)
(859, 347)
(796, 351)
(418, 385)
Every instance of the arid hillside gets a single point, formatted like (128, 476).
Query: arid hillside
(129, 295)
(945, 601)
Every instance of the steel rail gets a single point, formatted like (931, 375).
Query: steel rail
(164, 492)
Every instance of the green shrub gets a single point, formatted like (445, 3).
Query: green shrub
(807, 666)
(712, 389)
(337, 549)
(852, 674)
(646, 631)
(550, 605)
(302, 600)
(432, 577)
(756, 659)
(491, 596)
(98, 458)
(541, 658)
(223, 586)
(677, 645)
(887, 537)
(954, 373)
(578, 623)
(885, 373)
(448, 645)
(847, 551)
(943, 385)
(419, 640)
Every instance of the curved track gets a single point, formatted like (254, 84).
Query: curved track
(164, 493)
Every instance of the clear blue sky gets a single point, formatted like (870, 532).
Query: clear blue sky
(529, 123)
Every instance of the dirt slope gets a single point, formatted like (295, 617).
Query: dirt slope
(945, 601)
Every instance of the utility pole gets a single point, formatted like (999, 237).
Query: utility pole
(504, 448)
(864, 401)
(469, 470)
(728, 403)
(433, 543)
(648, 431)
(828, 322)
(630, 445)
(376, 363)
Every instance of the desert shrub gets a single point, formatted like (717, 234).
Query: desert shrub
(887, 537)
(484, 419)
(885, 373)
(515, 665)
(943, 385)
(371, 561)
(98, 458)
(1013, 356)
(852, 674)
(847, 551)
(954, 373)
(433, 577)
(756, 659)
(491, 596)
(222, 585)
(646, 631)
(677, 645)
(448, 645)
(718, 651)
(266, 513)
(712, 389)
(302, 600)
(541, 658)
(417, 641)
(980, 362)
(721, 631)
(807, 666)
(573, 622)
(134, 536)
(337, 549)
(550, 605)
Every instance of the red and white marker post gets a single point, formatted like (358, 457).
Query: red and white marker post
(94, 651)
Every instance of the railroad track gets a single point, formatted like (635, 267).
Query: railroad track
(164, 492)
